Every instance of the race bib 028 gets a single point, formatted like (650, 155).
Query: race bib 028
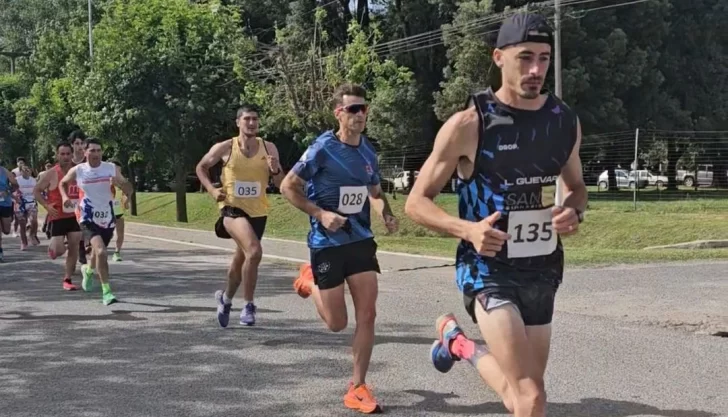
(531, 233)
(247, 189)
(352, 199)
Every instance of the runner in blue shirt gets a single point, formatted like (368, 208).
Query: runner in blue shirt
(8, 185)
(335, 182)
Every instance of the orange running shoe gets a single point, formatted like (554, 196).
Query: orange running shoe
(304, 282)
(361, 399)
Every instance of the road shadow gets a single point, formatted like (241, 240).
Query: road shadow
(144, 274)
(592, 407)
(165, 369)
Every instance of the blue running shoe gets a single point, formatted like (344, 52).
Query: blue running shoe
(223, 310)
(447, 330)
(247, 316)
(440, 357)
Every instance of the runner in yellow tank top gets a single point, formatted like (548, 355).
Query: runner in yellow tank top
(249, 163)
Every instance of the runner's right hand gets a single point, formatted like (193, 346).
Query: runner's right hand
(218, 194)
(487, 240)
(332, 221)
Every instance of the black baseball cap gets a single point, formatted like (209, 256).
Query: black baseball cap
(524, 27)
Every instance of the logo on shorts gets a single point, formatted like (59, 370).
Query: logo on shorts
(323, 267)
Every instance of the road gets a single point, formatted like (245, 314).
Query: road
(628, 341)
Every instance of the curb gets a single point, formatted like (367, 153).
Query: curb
(698, 244)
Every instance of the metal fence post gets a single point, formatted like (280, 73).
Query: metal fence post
(636, 165)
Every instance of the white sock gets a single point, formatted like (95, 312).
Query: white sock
(226, 299)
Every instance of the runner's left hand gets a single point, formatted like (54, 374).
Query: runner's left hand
(565, 220)
(273, 164)
(391, 223)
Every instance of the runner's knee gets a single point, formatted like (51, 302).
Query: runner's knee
(337, 323)
(254, 252)
(530, 396)
(366, 316)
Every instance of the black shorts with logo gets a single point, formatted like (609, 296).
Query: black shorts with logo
(6, 212)
(257, 223)
(91, 229)
(331, 266)
(62, 227)
(534, 300)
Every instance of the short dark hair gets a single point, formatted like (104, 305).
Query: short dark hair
(348, 89)
(92, 141)
(76, 134)
(21, 158)
(247, 108)
(63, 144)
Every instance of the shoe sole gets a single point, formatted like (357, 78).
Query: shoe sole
(356, 407)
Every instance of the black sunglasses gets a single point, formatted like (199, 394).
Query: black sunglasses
(355, 108)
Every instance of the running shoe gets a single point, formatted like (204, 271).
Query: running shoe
(116, 257)
(304, 281)
(88, 278)
(223, 310)
(440, 354)
(68, 285)
(108, 298)
(361, 399)
(247, 316)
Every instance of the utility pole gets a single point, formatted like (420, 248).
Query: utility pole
(90, 32)
(559, 197)
(557, 47)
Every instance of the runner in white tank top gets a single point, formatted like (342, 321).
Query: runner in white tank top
(95, 211)
(26, 208)
(96, 203)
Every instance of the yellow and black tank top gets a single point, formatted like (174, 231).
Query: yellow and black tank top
(245, 179)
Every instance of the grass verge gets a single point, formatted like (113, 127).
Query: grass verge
(612, 233)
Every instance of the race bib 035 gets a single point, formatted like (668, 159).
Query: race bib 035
(247, 189)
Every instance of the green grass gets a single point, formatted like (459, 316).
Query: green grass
(612, 232)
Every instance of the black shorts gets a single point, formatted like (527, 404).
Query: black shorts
(90, 230)
(257, 223)
(7, 212)
(62, 227)
(534, 301)
(331, 266)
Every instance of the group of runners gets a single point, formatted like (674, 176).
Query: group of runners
(509, 148)
(82, 204)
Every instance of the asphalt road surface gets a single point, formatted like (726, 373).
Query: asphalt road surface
(628, 341)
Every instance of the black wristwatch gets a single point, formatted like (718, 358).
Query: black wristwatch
(275, 173)
(579, 215)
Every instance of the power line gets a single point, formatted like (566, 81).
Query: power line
(433, 38)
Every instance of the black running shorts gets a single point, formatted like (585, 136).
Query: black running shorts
(91, 229)
(62, 227)
(331, 266)
(257, 223)
(6, 212)
(534, 301)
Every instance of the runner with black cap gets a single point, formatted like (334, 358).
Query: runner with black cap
(334, 182)
(509, 148)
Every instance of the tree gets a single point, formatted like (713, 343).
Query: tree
(163, 80)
